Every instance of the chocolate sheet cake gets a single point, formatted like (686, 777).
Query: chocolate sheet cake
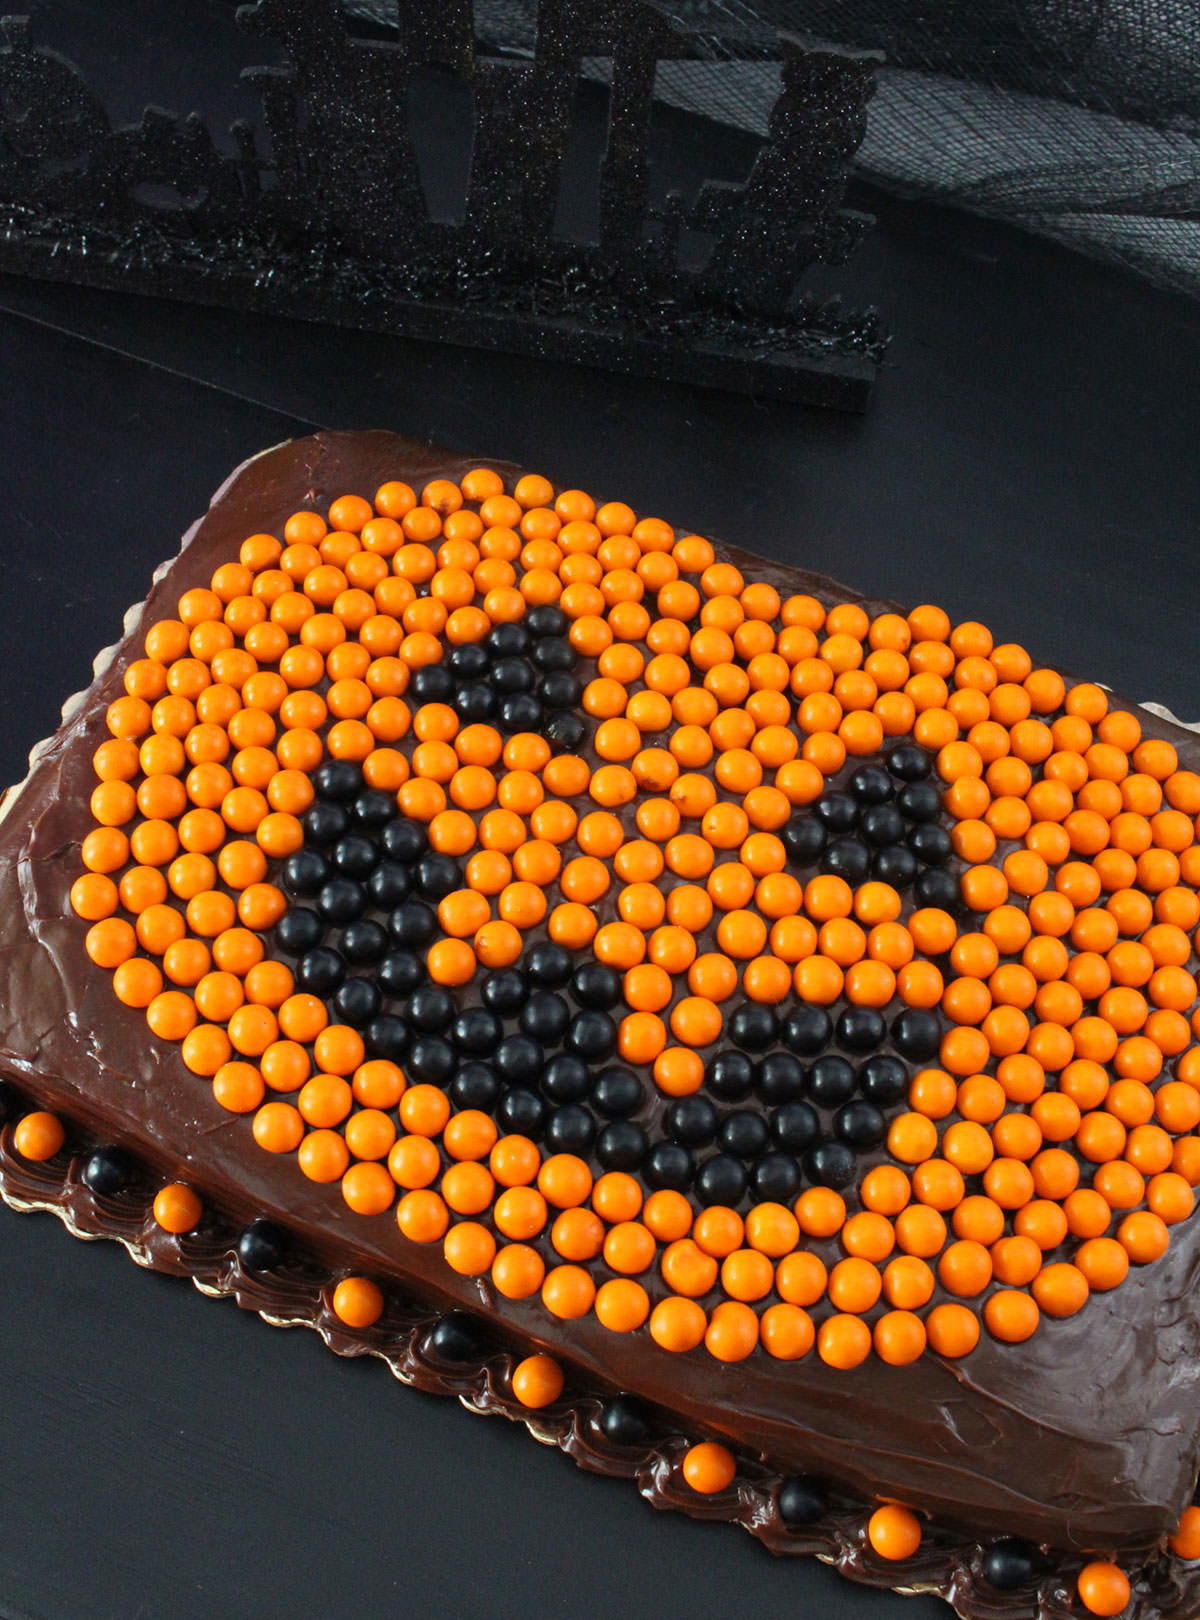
(737, 1027)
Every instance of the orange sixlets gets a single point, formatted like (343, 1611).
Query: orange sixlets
(894, 1533)
(1103, 1588)
(357, 1302)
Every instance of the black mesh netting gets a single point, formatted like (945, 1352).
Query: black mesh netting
(1079, 119)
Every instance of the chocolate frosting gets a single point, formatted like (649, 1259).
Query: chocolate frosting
(1083, 1439)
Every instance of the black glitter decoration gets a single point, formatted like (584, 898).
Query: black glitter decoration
(321, 214)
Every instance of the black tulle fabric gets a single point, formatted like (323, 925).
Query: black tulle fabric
(1079, 119)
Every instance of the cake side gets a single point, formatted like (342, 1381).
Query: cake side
(1103, 1477)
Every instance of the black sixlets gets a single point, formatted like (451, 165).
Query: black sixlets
(549, 965)
(507, 641)
(298, 930)
(437, 876)
(431, 1060)
(807, 1031)
(729, 1076)
(838, 811)
(320, 971)
(917, 1034)
(547, 620)
(775, 1179)
(389, 885)
(522, 712)
(721, 1180)
(623, 1419)
(363, 941)
(744, 1134)
(617, 1093)
(455, 1338)
(592, 1036)
(374, 809)
(522, 1112)
(909, 763)
(669, 1166)
(919, 802)
(831, 1164)
(803, 839)
(802, 1501)
(261, 1247)
(432, 683)
(594, 985)
(304, 873)
(831, 1081)
(468, 662)
(403, 840)
(883, 1079)
(388, 1037)
(779, 1078)
(400, 973)
(753, 1027)
(431, 1009)
(937, 887)
(895, 865)
(520, 1060)
(341, 900)
(475, 703)
(1007, 1564)
(567, 1079)
(566, 732)
(357, 1002)
(108, 1171)
(693, 1121)
(931, 844)
(505, 992)
(475, 1086)
(338, 780)
(870, 785)
(861, 1029)
(324, 824)
(511, 675)
(881, 825)
(849, 859)
(476, 1032)
(570, 1129)
(796, 1127)
(860, 1124)
(622, 1145)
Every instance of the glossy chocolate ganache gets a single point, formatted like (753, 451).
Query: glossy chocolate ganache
(1080, 1441)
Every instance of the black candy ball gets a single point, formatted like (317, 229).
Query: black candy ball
(802, 1501)
(298, 930)
(807, 1031)
(623, 1421)
(108, 1171)
(261, 1247)
(621, 1145)
(831, 1081)
(357, 1002)
(917, 1034)
(721, 1180)
(454, 1338)
(776, 1179)
(832, 1164)
(909, 762)
(1007, 1564)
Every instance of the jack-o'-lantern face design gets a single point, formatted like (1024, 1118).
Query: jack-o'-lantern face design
(769, 973)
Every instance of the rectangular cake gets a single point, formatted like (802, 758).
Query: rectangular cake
(735, 1026)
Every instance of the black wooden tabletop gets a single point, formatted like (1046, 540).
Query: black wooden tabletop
(1029, 460)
